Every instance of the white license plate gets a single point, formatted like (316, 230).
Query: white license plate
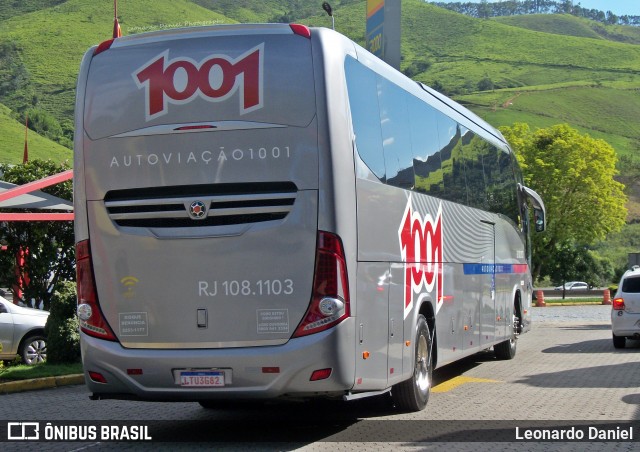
(202, 379)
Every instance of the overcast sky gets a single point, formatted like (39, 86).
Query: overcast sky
(619, 7)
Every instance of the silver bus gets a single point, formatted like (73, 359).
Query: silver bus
(270, 211)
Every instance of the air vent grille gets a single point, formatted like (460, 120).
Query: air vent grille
(201, 205)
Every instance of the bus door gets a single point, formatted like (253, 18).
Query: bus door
(371, 327)
(485, 271)
(380, 289)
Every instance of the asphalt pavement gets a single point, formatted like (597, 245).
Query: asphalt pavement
(566, 375)
(545, 315)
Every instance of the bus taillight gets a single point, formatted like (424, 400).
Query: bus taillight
(92, 322)
(330, 300)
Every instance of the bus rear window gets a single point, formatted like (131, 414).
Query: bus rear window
(205, 79)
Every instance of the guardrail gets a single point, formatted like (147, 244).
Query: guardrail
(552, 293)
(539, 295)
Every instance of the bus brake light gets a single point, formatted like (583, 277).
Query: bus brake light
(301, 30)
(330, 299)
(92, 322)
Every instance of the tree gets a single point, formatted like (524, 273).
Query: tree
(47, 246)
(574, 174)
(570, 261)
(62, 328)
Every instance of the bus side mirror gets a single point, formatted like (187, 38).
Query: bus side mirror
(538, 217)
(538, 207)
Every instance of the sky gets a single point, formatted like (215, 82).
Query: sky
(618, 7)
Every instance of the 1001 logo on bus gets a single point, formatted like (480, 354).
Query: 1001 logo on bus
(421, 251)
(214, 79)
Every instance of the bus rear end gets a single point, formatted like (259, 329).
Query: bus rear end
(202, 273)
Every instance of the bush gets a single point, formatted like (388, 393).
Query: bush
(486, 84)
(62, 328)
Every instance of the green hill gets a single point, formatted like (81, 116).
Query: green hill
(542, 69)
(11, 8)
(252, 11)
(458, 52)
(542, 78)
(12, 142)
(564, 24)
(53, 40)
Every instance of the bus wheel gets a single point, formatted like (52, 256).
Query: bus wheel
(507, 349)
(413, 394)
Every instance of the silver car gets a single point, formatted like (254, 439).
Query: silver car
(574, 285)
(22, 333)
(625, 312)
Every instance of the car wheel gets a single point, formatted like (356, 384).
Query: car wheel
(34, 350)
(413, 394)
(619, 341)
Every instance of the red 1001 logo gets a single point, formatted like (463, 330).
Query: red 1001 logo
(214, 79)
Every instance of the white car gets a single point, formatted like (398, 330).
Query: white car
(625, 312)
(574, 285)
(22, 333)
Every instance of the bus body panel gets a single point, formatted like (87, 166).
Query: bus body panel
(482, 262)
(256, 183)
(251, 372)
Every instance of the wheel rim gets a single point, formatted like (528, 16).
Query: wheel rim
(422, 365)
(36, 352)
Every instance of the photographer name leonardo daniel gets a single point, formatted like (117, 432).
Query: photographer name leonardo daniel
(576, 433)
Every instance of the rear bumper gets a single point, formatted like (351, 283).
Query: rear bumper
(625, 324)
(252, 370)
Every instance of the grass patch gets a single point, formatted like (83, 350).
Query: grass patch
(12, 142)
(573, 301)
(24, 372)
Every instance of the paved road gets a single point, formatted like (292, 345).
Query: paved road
(577, 313)
(566, 375)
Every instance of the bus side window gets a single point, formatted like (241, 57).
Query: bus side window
(475, 149)
(450, 137)
(365, 114)
(396, 136)
(427, 164)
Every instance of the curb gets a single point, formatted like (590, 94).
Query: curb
(41, 383)
(569, 303)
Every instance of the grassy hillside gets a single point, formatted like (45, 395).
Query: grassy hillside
(12, 142)
(601, 110)
(462, 50)
(252, 11)
(246, 11)
(11, 8)
(538, 73)
(465, 49)
(539, 77)
(53, 40)
(564, 24)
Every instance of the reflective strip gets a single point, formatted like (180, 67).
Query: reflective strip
(488, 269)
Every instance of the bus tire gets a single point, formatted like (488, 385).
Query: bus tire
(507, 349)
(413, 394)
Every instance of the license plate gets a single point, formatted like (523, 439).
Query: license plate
(202, 379)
